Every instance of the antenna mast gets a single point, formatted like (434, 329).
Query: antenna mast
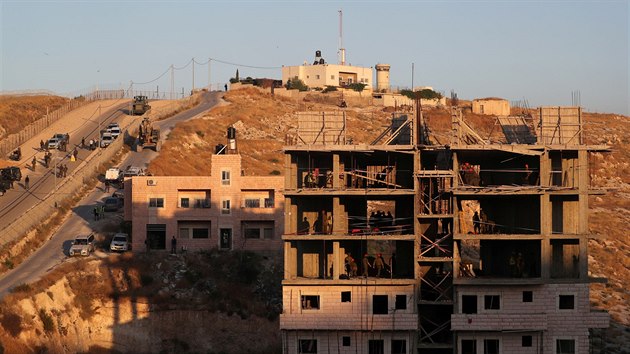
(342, 51)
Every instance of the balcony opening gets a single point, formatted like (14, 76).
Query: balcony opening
(194, 198)
(377, 170)
(491, 346)
(194, 229)
(485, 169)
(565, 258)
(500, 259)
(378, 215)
(564, 169)
(315, 216)
(500, 215)
(254, 229)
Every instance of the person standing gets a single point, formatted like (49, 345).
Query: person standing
(366, 265)
(95, 213)
(379, 263)
(173, 245)
(26, 182)
(34, 162)
(106, 186)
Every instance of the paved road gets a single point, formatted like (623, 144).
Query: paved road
(42, 179)
(81, 220)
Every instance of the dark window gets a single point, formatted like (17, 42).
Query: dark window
(268, 232)
(469, 346)
(401, 302)
(528, 296)
(566, 302)
(526, 341)
(379, 304)
(185, 203)
(310, 302)
(346, 296)
(565, 346)
(200, 233)
(225, 239)
(469, 304)
(491, 346)
(307, 346)
(202, 203)
(345, 341)
(156, 202)
(269, 203)
(376, 346)
(252, 233)
(492, 302)
(399, 346)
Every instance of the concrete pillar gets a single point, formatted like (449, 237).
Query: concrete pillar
(290, 258)
(545, 169)
(335, 165)
(340, 219)
(545, 230)
(336, 257)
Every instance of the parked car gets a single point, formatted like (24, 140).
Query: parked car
(113, 176)
(106, 139)
(120, 242)
(59, 141)
(82, 246)
(112, 204)
(53, 143)
(114, 129)
(121, 197)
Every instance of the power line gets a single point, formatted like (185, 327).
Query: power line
(245, 66)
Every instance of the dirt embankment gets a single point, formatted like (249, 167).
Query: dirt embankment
(16, 112)
(214, 302)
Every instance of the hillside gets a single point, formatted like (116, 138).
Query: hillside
(16, 112)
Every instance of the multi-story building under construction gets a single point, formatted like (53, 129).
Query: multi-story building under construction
(410, 246)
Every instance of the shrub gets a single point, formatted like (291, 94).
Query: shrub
(8, 263)
(275, 173)
(200, 133)
(47, 321)
(296, 84)
(426, 94)
(357, 86)
(329, 89)
(12, 323)
(21, 288)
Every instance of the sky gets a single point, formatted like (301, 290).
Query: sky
(534, 51)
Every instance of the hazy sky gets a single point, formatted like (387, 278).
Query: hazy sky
(540, 51)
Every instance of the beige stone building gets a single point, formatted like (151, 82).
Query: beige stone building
(224, 210)
(491, 106)
(322, 74)
(512, 278)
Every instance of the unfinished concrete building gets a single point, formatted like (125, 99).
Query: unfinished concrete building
(407, 246)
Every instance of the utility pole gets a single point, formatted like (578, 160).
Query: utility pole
(193, 78)
(172, 81)
(209, 82)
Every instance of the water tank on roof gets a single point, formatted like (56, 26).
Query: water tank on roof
(231, 133)
(219, 149)
(321, 61)
(318, 53)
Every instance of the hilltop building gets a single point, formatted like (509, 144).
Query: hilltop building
(322, 74)
(404, 246)
(225, 210)
(491, 106)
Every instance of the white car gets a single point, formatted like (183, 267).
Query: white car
(82, 246)
(120, 242)
(114, 130)
(106, 139)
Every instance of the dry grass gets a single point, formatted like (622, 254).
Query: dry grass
(16, 112)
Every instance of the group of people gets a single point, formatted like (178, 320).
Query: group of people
(322, 225)
(99, 212)
(469, 175)
(378, 219)
(481, 223)
(376, 263)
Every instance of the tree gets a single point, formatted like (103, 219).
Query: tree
(357, 86)
(236, 77)
(296, 84)
(426, 94)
